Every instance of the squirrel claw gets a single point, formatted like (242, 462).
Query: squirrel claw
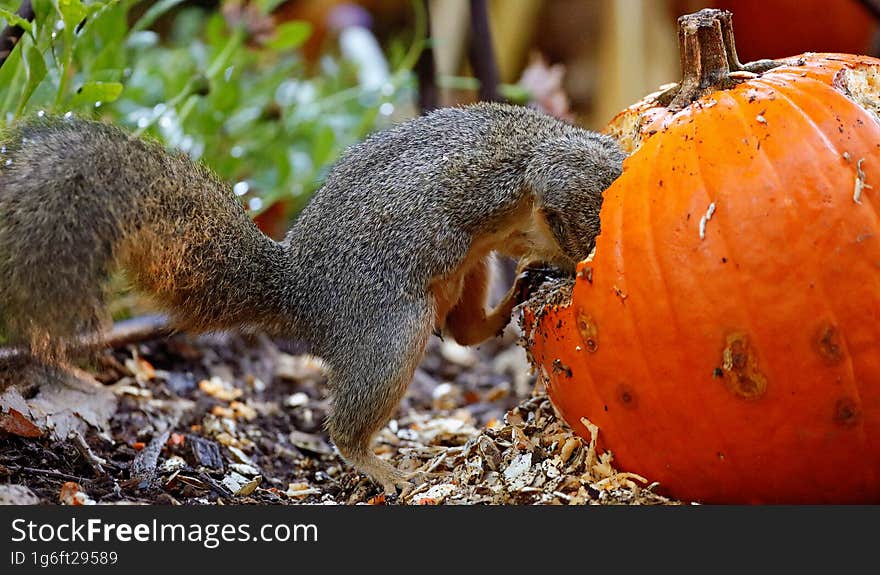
(391, 487)
(405, 483)
(416, 477)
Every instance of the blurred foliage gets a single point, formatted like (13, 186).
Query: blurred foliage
(251, 108)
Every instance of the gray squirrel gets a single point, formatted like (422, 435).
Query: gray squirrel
(393, 246)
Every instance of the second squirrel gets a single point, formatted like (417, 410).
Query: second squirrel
(393, 246)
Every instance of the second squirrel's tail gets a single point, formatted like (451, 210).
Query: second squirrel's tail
(78, 198)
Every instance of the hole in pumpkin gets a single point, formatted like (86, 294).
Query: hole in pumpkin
(559, 367)
(626, 396)
(861, 84)
(635, 124)
(827, 344)
(847, 412)
(739, 366)
(588, 330)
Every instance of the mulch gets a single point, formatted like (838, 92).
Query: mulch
(232, 419)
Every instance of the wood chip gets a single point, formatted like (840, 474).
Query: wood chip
(710, 211)
(143, 468)
(860, 182)
(206, 452)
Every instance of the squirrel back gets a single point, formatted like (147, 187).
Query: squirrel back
(410, 203)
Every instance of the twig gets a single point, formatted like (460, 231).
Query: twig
(10, 35)
(96, 463)
(218, 487)
(426, 71)
(481, 52)
(47, 473)
(432, 465)
(125, 332)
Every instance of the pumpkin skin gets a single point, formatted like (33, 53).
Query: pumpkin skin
(740, 364)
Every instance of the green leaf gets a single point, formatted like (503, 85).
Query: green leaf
(322, 144)
(92, 92)
(153, 13)
(45, 12)
(13, 19)
(35, 67)
(290, 35)
(98, 49)
(72, 12)
(10, 87)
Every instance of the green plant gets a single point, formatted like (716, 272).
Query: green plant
(249, 110)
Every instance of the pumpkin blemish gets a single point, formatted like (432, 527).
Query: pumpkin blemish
(559, 367)
(847, 412)
(627, 397)
(827, 344)
(740, 368)
(588, 330)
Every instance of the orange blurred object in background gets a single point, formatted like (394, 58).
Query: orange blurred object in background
(780, 28)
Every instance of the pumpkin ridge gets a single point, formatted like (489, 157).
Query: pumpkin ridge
(642, 376)
(769, 166)
(785, 92)
(622, 225)
(831, 146)
(740, 99)
(780, 91)
(848, 368)
(856, 382)
(827, 302)
(650, 384)
(725, 439)
(726, 236)
(658, 263)
(660, 271)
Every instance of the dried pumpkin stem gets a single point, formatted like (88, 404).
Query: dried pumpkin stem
(708, 57)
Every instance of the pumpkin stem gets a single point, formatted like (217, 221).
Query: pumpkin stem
(708, 58)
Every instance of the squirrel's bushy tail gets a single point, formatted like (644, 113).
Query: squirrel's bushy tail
(78, 198)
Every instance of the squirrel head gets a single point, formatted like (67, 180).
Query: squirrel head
(568, 175)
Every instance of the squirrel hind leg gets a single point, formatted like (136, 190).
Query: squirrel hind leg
(367, 381)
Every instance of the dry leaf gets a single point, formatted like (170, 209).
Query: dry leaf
(69, 401)
(17, 424)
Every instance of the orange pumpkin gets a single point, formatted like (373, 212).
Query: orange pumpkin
(725, 337)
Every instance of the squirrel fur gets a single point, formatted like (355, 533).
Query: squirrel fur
(393, 246)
